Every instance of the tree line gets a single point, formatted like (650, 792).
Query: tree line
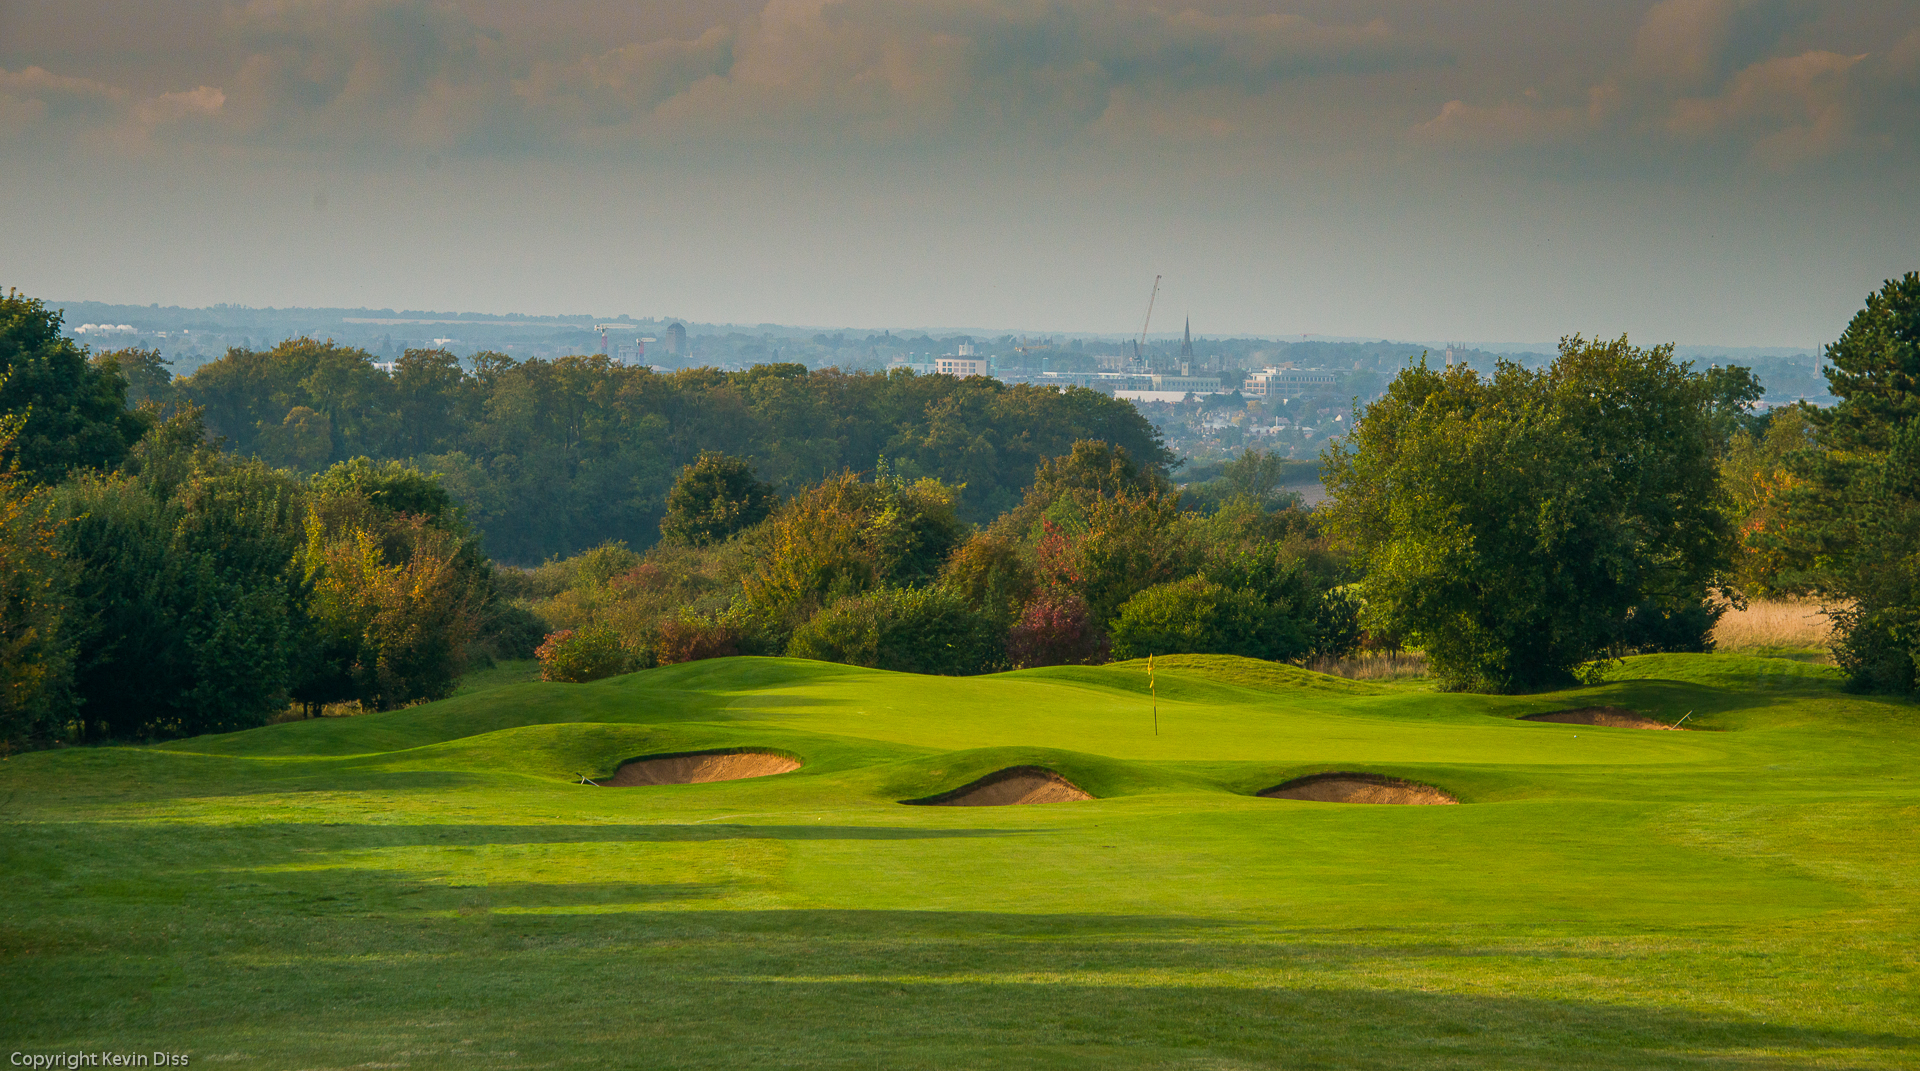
(551, 457)
(301, 527)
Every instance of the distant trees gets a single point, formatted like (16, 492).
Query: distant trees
(552, 457)
(1853, 519)
(1515, 526)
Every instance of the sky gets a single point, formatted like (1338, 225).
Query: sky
(1732, 172)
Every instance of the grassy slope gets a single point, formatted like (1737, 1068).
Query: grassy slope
(431, 888)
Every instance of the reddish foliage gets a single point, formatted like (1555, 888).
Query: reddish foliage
(1055, 629)
(1056, 556)
(643, 577)
(690, 639)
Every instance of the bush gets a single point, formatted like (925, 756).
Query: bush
(576, 656)
(1196, 616)
(691, 637)
(932, 631)
(1055, 629)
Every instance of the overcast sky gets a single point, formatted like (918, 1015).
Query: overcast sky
(1737, 172)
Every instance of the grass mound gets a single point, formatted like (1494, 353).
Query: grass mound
(1011, 786)
(1358, 788)
(700, 767)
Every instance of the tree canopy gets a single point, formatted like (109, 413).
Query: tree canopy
(1515, 525)
(1854, 519)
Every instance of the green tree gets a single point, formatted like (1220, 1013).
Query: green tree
(400, 588)
(845, 536)
(1854, 521)
(36, 670)
(715, 497)
(185, 593)
(149, 381)
(1514, 526)
(76, 415)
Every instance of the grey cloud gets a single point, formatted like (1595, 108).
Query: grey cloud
(1705, 76)
(402, 75)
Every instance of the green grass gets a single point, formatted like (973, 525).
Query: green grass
(433, 888)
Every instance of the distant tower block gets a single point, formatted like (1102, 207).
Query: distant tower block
(1451, 347)
(676, 340)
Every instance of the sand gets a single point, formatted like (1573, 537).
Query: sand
(1606, 717)
(1358, 788)
(700, 767)
(1015, 784)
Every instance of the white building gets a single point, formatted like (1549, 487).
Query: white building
(962, 367)
(1187, 384)
(1269, 381)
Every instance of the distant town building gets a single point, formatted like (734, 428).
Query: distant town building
(1270, 381)
(1187, 384)
(962, 367)
(965, 349)
(1113, 362)
(677, 340)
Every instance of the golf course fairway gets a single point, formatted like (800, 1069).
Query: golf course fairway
(446, 886)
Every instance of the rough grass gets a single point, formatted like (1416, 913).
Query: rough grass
(1786, 627)
(431, 888)
(1375, 665)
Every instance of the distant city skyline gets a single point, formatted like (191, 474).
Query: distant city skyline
(1708, 172)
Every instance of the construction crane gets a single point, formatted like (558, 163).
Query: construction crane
(1142, 340)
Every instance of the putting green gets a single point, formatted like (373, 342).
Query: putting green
(435, 887)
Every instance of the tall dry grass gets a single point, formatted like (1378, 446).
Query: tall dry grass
(1374, 665)
(1774, 625)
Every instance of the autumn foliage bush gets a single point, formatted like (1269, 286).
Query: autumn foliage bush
(575, 656)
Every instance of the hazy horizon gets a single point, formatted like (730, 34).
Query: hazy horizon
(1731, 173)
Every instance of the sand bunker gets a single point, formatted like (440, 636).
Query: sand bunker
(1606, 717)
(700, 767)
(1358, 788)
(1015, 784)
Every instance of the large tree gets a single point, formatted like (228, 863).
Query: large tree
(1520, 526)
(1854, 520)
(186, 600)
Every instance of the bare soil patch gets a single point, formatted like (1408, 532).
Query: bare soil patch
(1605, 717)
(1358, 788)
(700, 767)
(1015, 784)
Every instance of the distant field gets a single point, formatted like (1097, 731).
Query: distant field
(434, 887)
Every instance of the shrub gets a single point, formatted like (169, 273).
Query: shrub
(929, 631)
(1055, 629)
(1197, 616)
(576, 656)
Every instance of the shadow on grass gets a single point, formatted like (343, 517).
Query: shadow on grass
(806, 988)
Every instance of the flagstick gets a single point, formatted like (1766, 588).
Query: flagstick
(1155, 693)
